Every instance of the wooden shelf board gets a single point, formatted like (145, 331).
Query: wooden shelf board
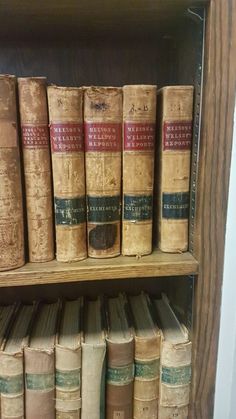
(155, 265)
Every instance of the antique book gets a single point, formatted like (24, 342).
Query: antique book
(11, 208)
(175, 109)
(12, 364)
(147, 359)
(175, 363)
(93, 362)
(39, 364)
(67, 148)
(103, 129)
(139, 124)
(68, 361)
(37, 167)
(120, 360)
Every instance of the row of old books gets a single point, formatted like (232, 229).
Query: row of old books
(93, 177)
(116, 358)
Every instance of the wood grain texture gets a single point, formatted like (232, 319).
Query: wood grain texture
(156, 264)
(214, 166)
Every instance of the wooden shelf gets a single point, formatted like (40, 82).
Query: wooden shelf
(154, 265)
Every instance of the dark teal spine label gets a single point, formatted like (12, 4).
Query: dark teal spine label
(39, 381)
(11, 385)
(103, 209)
(68, 379)
(120, 375)
(176, 375)
(137, 208)
(70, 211)
(148, 369)
(175, 205)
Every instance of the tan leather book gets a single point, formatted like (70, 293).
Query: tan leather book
(37, 167)
(67, 148)
(120, 360)
(12, 364)
(68, 361)
(175, 364)
(139, 128)
(11, 210)
(175, 109)
(39, 364)
(93, 362)
(147, 359)
(103, 129)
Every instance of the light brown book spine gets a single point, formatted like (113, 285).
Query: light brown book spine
(103, 128)
(176, 108)
(67, 147)
(37, 167)
(139, 126)
(11, 209)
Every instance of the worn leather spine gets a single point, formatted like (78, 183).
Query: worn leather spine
(11, 209)
(173, 166)
(175, 378)
(120, 377)
(103, 128)
(139, 127)
(67, 147)
(146, 377)
(37, 167)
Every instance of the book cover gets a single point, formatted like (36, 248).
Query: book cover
(67, 148)
(103, 131)
(139, 130)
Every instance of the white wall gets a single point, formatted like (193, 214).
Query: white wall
(225, 396)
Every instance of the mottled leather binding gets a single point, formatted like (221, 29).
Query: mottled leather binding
(11, 209)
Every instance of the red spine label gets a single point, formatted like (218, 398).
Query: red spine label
(102, 136)
(35, 136)
(177, 135)
(66, 137)
(139, 136)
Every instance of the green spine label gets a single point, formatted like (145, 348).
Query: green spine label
(175, 205)
(176, 375)
(11, 385)
(68, 379)
(70, 211)
(147, 370)
(40, 381)
(103, 209)
(138, 208)
(120, 375)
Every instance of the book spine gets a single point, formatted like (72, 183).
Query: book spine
(37, 167)
(39, 384)
(68, 382)
(93, 379)
(174, 167)
(139, 127)
(11, 208)
(11, 386)
(67, 147)
(119, 380)
(103, 119)
(175, 379)
(146, 377)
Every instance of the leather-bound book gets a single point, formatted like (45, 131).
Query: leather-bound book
(37, 167)
(147, 359)
(103, 129)
(139, 127)
(175, 109)
(39, 358)
(93, 362)
(67, 147)
(175, 364)
(120, 360)
(12, 364)
(11, 209)
(68, 361)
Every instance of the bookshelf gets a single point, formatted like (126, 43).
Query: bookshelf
(160, 42)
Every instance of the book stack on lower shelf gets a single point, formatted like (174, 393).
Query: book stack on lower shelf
(119, 357)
